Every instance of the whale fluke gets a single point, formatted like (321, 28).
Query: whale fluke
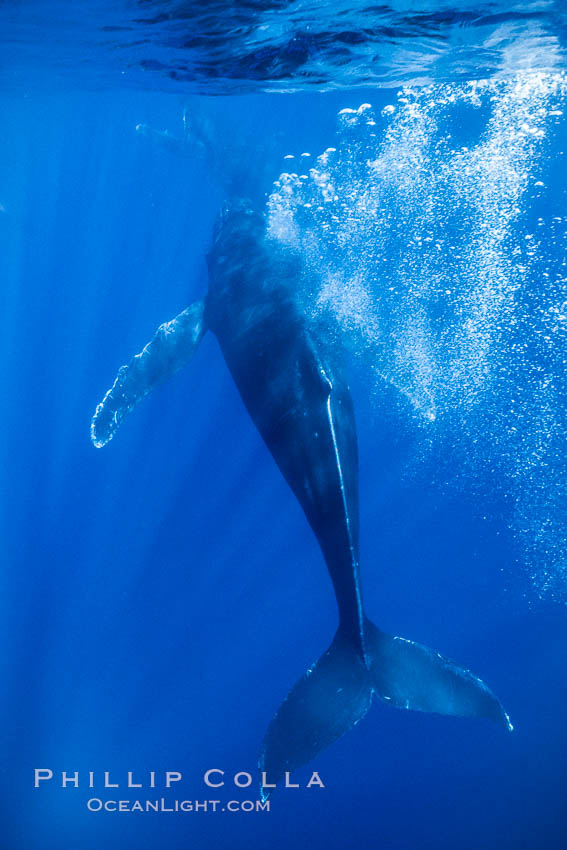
(171, 348)
(409, 675)
(326, 702)
(336, 693)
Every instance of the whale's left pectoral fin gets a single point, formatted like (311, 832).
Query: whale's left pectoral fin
(171, 348)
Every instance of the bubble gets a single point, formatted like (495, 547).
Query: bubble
(422, 253)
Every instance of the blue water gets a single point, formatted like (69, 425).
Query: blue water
(160, 596)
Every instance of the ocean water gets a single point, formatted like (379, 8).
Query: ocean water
(160, 596)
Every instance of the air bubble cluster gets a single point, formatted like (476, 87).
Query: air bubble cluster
(449, 279)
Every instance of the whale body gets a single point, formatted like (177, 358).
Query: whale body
(289, 370)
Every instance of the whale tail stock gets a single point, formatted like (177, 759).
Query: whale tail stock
(171, 348)
(336, 692)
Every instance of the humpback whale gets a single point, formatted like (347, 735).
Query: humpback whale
(289, 370)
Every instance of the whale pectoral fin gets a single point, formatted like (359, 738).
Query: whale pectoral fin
(171, 348)
(326, 702)
(409, 675)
